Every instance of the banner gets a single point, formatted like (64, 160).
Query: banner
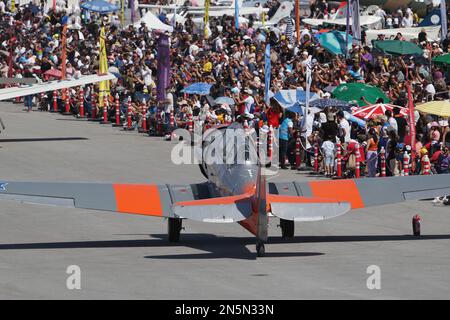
(356, 26)
(443, 20)
(236, 14)
(163, 73)
(103, 68)
(267, 73)
(206, 18)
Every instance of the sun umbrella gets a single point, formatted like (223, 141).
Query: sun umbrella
(442, 59)
(334, 42)
(139, 96)
(439, 108)
(288, 98)
(55, 73)
(200, 88)
(323, 103)
(352, 93)
(99, 6)
(348, 116)
(397, 47)
(225, 100)
(374, 110)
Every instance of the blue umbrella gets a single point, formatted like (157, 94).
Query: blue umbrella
(323, 103)
(225, 100)
(99, 6)
(290, 98)
(140, 96)
(334, 42)
(198, 88)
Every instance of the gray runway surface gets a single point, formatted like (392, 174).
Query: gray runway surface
(125, 256)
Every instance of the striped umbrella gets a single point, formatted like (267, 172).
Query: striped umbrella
(372, 111)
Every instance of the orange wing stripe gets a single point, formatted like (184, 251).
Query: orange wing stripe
(138, 199)
(341, 190)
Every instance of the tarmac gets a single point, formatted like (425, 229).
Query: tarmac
(128, 257)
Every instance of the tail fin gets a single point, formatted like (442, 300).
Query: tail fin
(341, 11)
(283, 11)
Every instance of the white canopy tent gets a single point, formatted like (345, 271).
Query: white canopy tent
(152, 22)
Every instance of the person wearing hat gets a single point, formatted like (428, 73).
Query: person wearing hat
(435, 132)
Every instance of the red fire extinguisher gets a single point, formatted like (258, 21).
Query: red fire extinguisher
(416, 225)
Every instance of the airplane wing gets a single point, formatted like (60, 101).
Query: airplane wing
(433, 33)
(364, 21)
(9, 93)
(142, 199)
(361, 193)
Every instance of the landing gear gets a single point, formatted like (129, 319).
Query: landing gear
(260, 249)
(287, 228)
(174, 229)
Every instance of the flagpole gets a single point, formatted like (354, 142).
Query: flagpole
(206, 18)
(412, 122)
(443, 20)
(347, 27)
(236, 14)
(64, 58)
(297, 19)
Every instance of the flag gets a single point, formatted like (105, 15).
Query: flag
(103, 68)
(206, 18)
(443, 20)
(356, 26)
(132, 9)
(289, 30)
(308, 92)
(236, 14)
(163, 71)
(267, 73)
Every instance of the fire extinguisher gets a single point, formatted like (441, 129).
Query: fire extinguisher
(416, 225)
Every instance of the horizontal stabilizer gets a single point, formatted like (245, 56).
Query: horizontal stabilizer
(215, 210)
(306, 209)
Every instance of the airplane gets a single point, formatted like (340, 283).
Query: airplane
(339, 18)
(431, 23)
(234, 192)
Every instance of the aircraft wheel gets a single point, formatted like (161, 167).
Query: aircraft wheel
(174, 229)
(260, 249)
(287, 228)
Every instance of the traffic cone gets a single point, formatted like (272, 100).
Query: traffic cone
(129, 126)
(298, 160)
(55, 101)
(172, 120)
(316, 157)
(270, 143)
(358, 159)
(105, 110)
(383, 162)
(143, 128)
(426, 165)
(93, 107)
(338, 160)
(117, 106)
(406, 164)
(191, 124)
(82, 115)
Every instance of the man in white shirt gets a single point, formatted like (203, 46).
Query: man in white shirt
(344, 126)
